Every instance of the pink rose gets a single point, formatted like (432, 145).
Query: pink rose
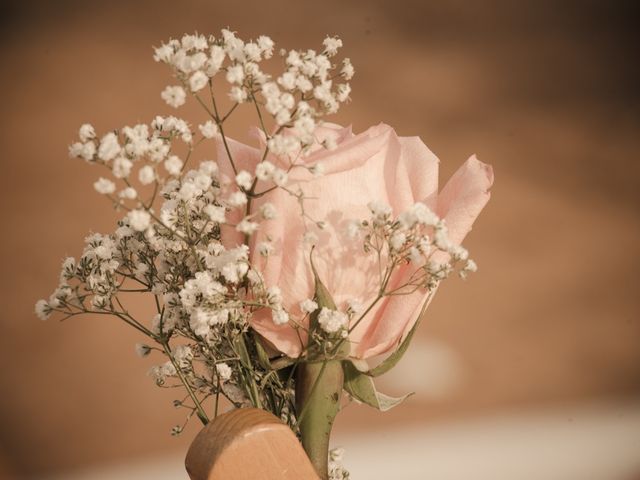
(375, 165)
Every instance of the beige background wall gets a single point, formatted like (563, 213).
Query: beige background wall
(545, 91)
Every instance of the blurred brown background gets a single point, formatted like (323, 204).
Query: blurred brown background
(546, 91)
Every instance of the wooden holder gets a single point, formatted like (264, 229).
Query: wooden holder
(248, 444)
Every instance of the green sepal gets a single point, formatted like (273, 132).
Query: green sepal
(282, 362)
(391, 361)
(361, 387)
(322, 296)
(240, 348)
(263, 356)
(324, 300)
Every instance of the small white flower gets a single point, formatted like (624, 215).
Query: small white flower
(418, 213)
(279, 316)
(163, 53)
(43, 310)
(174, 96)
(199, 322)
(104, 186)
(293, 59)
(244, 180)
(209, 167)
(288, 101)
(304, 84)
(397, 240)
(198, 81)
(264, 170)
(380, 210)
(168, 369)
(347, 69)
(308, 306)
(109, 147)
(139, 220)
(336, 454)
(142, 350)
(252, 51)
(344, 89)
(415, 256)
(317, 170)
(266, 45)
(188, 191)
(173, 165)
(354, 306)
(332, 321)
(283, 116)
(268, 211)
(146, 175)
(87, 132)
(122, 167)
(183, 355)
(83, 150)
(265, 248)
(224, 371)
(287, 80)
(128, 193)
(471, 266)
(274, 295)
(216, 59)
(237, 199)
(215, 213)
(247, 227)
(280, 177)
(208, 129)
(331, 45)
(238, 94)
(458, 252)
(235, 74)
(123, 232)
(441, 238)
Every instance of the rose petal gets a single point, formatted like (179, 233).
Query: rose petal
(464, 196)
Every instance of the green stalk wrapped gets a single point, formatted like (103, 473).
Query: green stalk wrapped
(319, 384)
(318, 392)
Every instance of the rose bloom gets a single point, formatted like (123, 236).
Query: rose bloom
(376, 165)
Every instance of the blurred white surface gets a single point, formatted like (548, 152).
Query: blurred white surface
(595, 442)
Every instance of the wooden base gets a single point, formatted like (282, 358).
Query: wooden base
(248, 444)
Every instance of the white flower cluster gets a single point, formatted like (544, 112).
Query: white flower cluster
(336, 470)
(418, 237)
(310, 87)
(168, 246)
(333, 321)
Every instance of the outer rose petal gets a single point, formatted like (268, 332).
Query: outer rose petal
(464, 196)
(459, 203)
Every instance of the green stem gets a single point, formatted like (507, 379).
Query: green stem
(318, 392)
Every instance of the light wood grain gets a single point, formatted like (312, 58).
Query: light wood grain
(248, 444)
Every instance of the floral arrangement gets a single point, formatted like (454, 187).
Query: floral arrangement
(280, 267)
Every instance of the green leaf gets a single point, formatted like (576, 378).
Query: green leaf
(241, 350)
(322, 296)
(361, 387)
(395, 357)
(263, 357)
(282, 362)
